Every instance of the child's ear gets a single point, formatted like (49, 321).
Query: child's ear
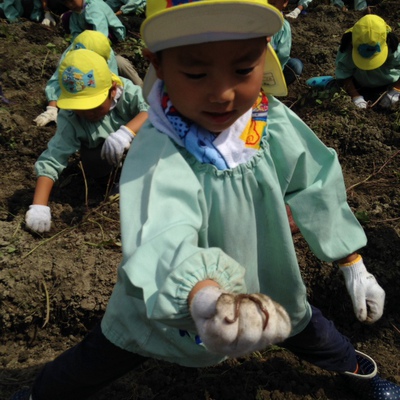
(154, 60)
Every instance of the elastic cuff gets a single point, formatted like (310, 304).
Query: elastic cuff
(351, 263)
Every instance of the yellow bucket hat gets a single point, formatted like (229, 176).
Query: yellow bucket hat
(95, 41)
(370, 49)
(173, 23)
(85, 80)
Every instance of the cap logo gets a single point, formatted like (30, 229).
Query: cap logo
(367, 51)
(74, 80)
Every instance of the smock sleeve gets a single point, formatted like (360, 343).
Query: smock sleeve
(164, 240)
(312, 183)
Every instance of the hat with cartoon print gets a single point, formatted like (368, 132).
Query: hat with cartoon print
(85, 80)
(95, 41)
(173, 23)
(370, 49)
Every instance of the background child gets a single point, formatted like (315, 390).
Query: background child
(100, 113)
(13, 10)
(368, 62)
(282, 44)
(125, 7)
(301, 5)
(205, 235)
(359, 5)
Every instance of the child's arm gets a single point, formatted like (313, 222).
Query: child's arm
(120, 140)
(38, 217)
(349, 87)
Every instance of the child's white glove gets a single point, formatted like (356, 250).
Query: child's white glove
(38, 218)
(390, 98)
(48, 19)
(115, 145)
(360, 102)
(294, 14)
(236, 325)
(50, 115)
(367, 296)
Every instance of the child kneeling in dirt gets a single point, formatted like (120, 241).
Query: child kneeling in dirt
(368, 62)
(13, 10)
(100, 113)
(209, 267)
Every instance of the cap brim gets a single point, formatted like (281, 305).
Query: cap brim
(84, 103)
(200, 22)
(371, 63)
(273, 80)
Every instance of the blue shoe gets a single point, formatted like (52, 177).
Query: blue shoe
(23, 394)
(368, 385)
(320, 81)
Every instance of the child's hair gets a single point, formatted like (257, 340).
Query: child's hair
(85, 80)
(346, 43)
(176, 23)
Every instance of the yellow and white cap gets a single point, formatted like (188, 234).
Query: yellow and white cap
(174, 23)
(370, 49)
(85, 80)
(95, 41)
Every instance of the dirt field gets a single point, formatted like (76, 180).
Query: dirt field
(54, 288)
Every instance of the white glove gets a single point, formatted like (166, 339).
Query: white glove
(360, 102)
(50, 115)
(38, 218)
(390, 98)
(367, 296)
(294, 14)
(236, 325)
(115, 145)
(48, 19)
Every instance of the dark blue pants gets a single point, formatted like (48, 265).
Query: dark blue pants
(95, 362)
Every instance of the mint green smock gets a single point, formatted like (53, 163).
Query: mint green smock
(304, 3)
(282, 43)
(183, 222)
(53, 90)
(73, 131)
(358, 4)
(387, 74)
(13, 10)
(127, 6)
(97, 16)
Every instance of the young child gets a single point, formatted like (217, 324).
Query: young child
(100, 113)
(368, 62)
(13, 10)
(126, 7)
(209, 268)
(282, 44)
(95, 15)
(301, 5)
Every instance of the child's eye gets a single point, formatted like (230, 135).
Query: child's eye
(195, 76)
(245, 71)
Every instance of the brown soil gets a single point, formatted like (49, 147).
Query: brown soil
(53, 288)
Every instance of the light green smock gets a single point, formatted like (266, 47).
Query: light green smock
(73, 132)
(282, 43)
(183, 222)
(13, 10)
(127, 6)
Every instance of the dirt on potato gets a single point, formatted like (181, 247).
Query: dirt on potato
(54, 287)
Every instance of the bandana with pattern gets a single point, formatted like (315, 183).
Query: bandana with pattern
(231, 147)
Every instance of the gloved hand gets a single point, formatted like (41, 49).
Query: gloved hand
(367, 296)
(235, 325)
(360, 102)
(48, 19)
(390, 98)
(294, 14)
(38, 218)
(46, 117)
(115, 145)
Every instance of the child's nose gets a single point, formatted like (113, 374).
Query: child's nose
(221, 92)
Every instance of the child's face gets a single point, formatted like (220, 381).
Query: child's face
(98, 113)
(74, 5)
(213, 84)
